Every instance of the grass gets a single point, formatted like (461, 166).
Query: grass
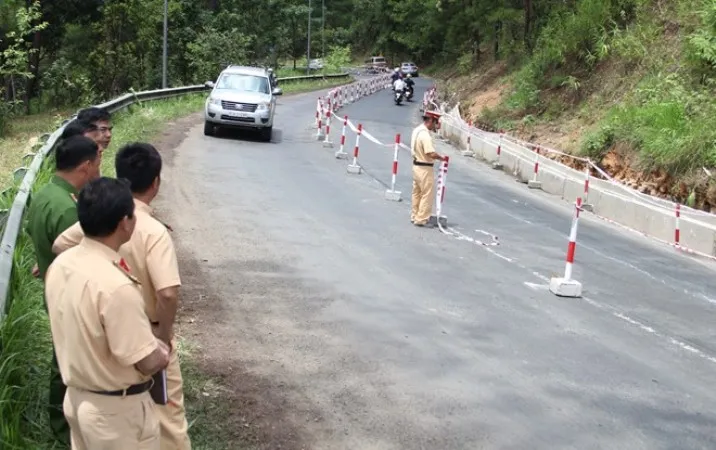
(25, 342)
(16, 142)
(207, 406)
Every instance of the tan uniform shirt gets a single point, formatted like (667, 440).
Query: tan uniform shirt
(150, 254)
(97, 319)
(421, 143)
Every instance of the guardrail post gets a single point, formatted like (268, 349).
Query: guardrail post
(18, 174)
(27, 158)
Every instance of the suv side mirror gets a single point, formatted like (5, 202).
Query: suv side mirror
(277, 91)
(209, 84)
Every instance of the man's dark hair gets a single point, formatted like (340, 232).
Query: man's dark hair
(93, 114)
(77, 128)
(74, 151)
(102, 204)
(140, 163)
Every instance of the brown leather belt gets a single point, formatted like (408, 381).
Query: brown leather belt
(418, 163)
(131, 390)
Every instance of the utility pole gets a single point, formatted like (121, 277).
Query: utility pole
(323, 28)
(308, 51)
(164, 51)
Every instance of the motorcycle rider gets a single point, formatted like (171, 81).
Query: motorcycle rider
(399, 86)
(409, 85)
(272, 78)
(396, 75)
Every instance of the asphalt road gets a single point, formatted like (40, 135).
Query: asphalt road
(386, 336)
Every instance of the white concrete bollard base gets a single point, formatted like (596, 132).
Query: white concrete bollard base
(320, 136)
(534, 184)
(393, 196)
(469, 153)
(443, 221)
(565, 288)
(357, 170)
(341, 155)
(327, 144)
(588, 207)
(497, 166)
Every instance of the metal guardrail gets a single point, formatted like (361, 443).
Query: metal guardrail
(13, 217)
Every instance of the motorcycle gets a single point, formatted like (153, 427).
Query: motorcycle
(399, 96)
(409, 93)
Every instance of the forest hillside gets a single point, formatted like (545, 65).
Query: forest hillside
(629, 83)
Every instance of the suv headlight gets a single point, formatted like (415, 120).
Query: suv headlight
(214, 101)
(264, 107)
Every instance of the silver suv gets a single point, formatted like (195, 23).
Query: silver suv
(242, 97)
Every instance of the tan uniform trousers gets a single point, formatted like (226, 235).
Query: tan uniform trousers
(103, 422)
(172, 416)
(423, 195)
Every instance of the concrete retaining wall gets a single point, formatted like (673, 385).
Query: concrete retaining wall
(650, 215)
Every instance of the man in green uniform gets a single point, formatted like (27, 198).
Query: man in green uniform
(74, 128)
(52, 210)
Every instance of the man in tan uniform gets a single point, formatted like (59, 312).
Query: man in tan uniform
(105, 347)
(424, 157)
(151, 255)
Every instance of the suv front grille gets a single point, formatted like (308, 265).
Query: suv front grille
(234, 106)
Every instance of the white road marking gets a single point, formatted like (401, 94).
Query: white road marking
(536, 286)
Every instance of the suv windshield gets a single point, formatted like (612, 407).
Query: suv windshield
(240, 82)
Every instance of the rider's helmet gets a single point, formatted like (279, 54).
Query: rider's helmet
(397, 69)
(408, 76)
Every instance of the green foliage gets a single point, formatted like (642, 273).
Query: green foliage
(337, 58)
(669, 123)
(701, 45)
(214, 49)
(14, 58)
(465, 63)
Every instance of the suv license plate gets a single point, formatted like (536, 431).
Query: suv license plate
(237, 114)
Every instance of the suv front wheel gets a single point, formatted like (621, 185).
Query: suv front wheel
(209, 129)
(266, 134)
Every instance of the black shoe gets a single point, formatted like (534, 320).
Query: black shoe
(425, 225)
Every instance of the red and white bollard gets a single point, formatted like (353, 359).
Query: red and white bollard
(441, 220)
(391, 194)
(340, 154)
(677, 225)
(468, 150)
(354, 168)
(566, 286)
(534, 183)
(319, 130)
(497, 165)
(585, 198)
(327, 138)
